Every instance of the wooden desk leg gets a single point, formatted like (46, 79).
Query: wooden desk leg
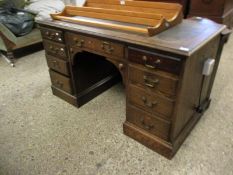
(9, 57)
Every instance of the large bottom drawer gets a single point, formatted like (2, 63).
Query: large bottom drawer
(144, 120)
(61, 82)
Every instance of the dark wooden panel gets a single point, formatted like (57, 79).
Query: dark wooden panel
(152, 103)
(93, 74)
(61, 82)
(226, 19)
(153, 81)
(153, 61)
(147, 122)
(207, 7)
(98, 88)
(58, 65)
(184, 3)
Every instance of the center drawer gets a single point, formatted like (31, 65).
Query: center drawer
(100, 45)
(152, 103)
(61, 82)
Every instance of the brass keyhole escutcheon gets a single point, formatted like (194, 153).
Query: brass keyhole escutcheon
(149, 82)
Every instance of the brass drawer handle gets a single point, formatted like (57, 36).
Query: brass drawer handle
(106, 46)
(149, 104)
(50, 35)
(52, 48)
(78, 42)
(156, 63)
(149, 82)
(56, 50)
(146, 126)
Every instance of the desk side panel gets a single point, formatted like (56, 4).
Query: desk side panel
(193, 88)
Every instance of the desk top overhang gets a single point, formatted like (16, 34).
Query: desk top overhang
(183, 39)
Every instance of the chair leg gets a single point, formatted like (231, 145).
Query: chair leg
(9, 58)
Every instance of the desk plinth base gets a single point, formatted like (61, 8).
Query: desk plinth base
(64, 95)
(97, 89)
(158, 145)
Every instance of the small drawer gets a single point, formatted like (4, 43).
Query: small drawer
(153, 81)
(110, 48)
(146, 121)
(106, 47)
(55, 49)
(58, 65)
(51, 34)
(154, 61)
(81, 41)
(152, 103)
(61, 82)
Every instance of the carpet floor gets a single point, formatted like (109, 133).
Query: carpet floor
(42, 134)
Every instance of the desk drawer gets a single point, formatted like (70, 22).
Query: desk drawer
(81, 41)
(110, 48)
(58, 65)
(61, 82)
(152, 103)
(96, 44)
(52, 34)
(154, 61)
(55, 49)
(153, 81)
(147, 122)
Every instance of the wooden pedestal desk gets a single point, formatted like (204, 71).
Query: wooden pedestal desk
(166, 92)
